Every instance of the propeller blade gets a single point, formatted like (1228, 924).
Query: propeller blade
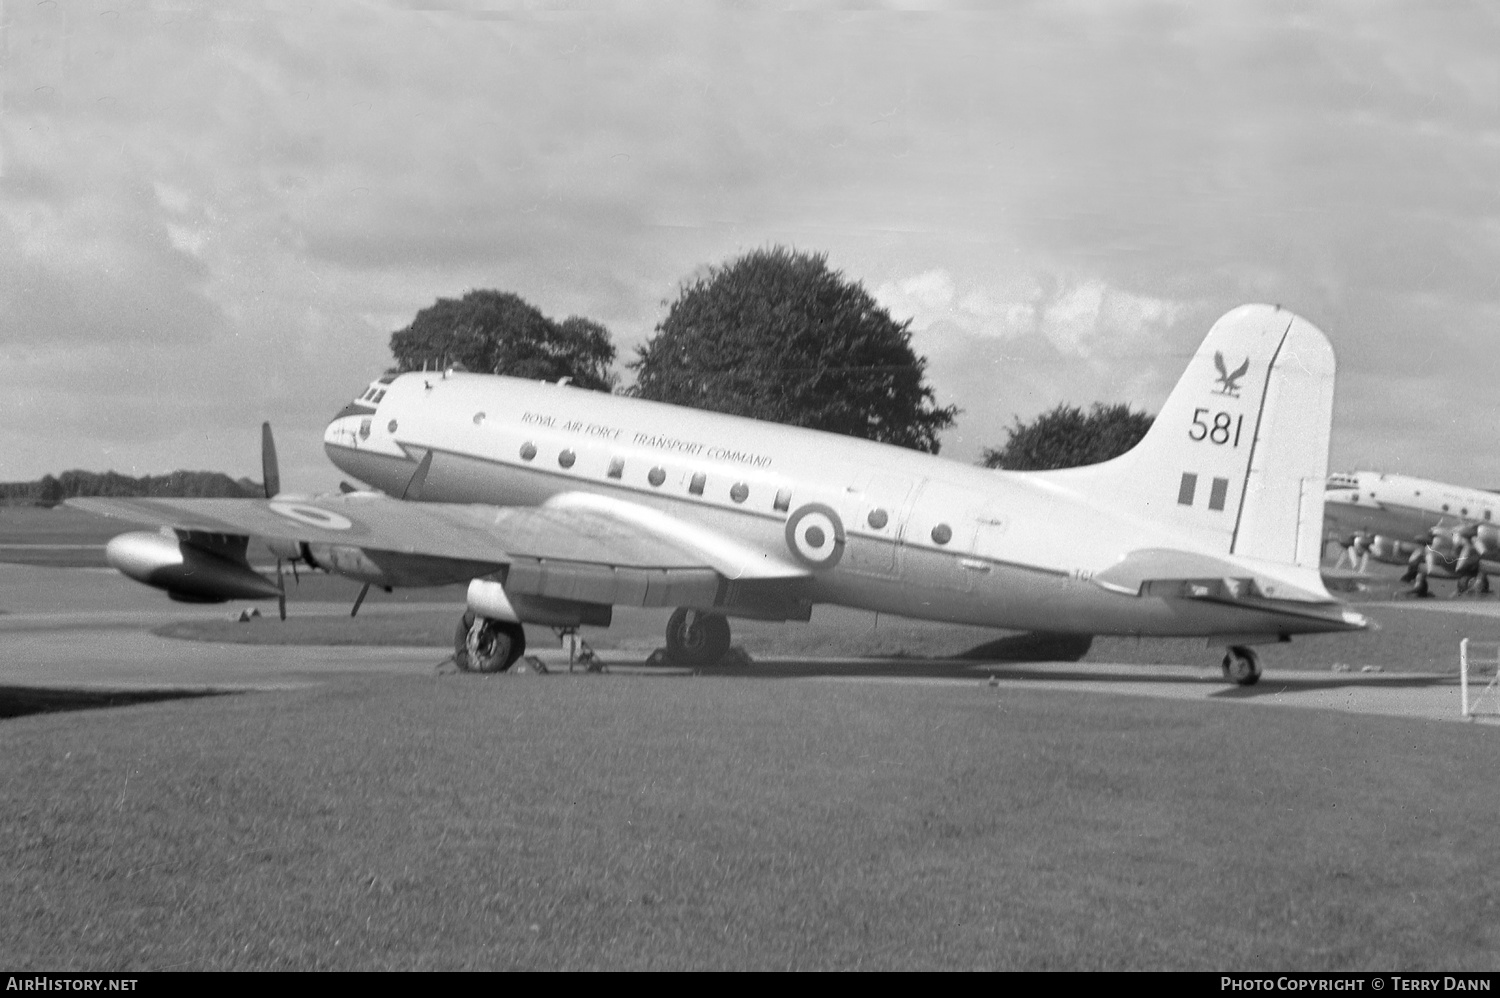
(418, 481)
(281, 585)
(268, 468)
(360, 599)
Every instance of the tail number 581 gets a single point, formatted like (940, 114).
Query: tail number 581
(1217, 428)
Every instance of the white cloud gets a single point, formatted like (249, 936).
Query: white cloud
(1080, 319)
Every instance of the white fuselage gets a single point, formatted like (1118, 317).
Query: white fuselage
(922, 536)
(1403, 507)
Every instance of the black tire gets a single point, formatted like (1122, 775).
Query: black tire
(1242, 666)
(493, 646)
(696, 639)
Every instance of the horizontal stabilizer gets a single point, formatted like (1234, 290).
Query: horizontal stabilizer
(1189, 575)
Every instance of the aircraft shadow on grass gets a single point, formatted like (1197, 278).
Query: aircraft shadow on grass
(1007, 658)
(19, 701)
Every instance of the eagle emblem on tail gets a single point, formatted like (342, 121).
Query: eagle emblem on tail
(1229, 381)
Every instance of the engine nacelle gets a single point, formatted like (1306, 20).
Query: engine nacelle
(488, 598)
(1393, 551)
(286, 550)
(188, 572)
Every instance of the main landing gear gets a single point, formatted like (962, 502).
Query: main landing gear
(484, 645)
(1242, 665)
(696, 639)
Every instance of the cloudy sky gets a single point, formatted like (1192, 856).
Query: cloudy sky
(214, 214)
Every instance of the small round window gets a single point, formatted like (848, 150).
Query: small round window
(942, 533)
(878, 518)
(478, 418)
(566, 458)
(391, 426)
(656, 476)
(528, 451)
(739, 492)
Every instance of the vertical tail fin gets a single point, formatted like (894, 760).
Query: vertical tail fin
(1238, 456)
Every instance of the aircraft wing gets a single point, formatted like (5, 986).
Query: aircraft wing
(576, 528)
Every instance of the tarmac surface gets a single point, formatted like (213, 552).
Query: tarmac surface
(90, 630)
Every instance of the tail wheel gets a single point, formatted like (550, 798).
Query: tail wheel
(696, 639)
(1242, 666)
(484, 645)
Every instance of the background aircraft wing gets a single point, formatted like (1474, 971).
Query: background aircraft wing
(580, 529)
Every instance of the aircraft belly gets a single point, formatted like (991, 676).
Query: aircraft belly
(1013, 597)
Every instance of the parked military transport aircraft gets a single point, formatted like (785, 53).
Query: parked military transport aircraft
(556, 504)
(1437, 530)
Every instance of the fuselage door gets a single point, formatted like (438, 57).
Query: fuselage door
(942, 531)
(878, 505)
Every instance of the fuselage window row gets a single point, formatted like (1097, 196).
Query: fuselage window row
(739, 492)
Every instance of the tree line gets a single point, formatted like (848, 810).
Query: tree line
(775, 335)
(52, 489)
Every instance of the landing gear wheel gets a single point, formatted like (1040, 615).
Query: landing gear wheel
(696, 639)
(1242, 666)
(484, 645)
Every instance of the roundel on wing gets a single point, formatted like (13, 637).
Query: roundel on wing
(815, 535)
(311, 515)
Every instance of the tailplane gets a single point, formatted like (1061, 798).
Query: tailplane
(1237, 458)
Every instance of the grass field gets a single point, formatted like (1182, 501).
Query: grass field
(636, 823)
(724, 822)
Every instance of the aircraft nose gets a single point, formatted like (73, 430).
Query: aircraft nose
(350, 426)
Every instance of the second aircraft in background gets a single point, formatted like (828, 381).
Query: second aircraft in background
(1435, 529)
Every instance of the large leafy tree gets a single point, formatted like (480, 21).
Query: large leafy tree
(496, 332)
(1067, 437)
(777, 335)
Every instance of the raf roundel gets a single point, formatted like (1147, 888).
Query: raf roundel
(815, 535)
(311, 515)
